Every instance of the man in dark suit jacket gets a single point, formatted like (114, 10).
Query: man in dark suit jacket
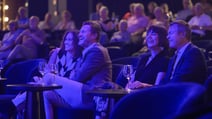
(188, 64)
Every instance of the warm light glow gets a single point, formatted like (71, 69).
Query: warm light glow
(6, 19)
(54, 2)
(26, 4)
(55, 13)
(6, 7)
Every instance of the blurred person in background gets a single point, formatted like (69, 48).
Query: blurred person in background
(47, 23)
(167, 13)
(122, 35)
(159, 18)
(28, 41)
(186, 13)
(66, 22)
(127, 15)
(22, 19)
(106, 22)
(95, 15)
(138, 22)
(150, 9)
(8, 41)
(199, 23)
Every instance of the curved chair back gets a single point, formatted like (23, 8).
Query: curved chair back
(115, 52)
(21, 72)
(127, 60)
(208, 85)
(159, 102)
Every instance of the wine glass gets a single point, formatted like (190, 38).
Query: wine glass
(42, 67)
(54, 68)
(128, 72)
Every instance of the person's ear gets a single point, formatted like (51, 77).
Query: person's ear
(183, 34)
(94, 36)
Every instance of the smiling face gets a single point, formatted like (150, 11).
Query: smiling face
(198, 9)
(103, 12)
(33, 22)
(85, 36)
(68, 42)
(152, 39)
(176, 38)
(12, 26)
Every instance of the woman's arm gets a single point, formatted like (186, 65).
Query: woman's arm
(53, 57)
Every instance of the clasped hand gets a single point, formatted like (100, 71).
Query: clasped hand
(47, 79)
(137, 84)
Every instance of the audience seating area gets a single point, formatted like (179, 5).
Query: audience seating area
(171, 101)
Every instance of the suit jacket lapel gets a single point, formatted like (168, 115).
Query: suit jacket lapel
(182, 57)
(171, 65)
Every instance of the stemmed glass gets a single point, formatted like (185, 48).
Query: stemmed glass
(54, 68)
(128, 72)
(42, 68)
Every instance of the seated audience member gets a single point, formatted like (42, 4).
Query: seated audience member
(159, 18)
(106, 22)
(150, 12)
(8, 41)
(186, 13)
(67, 56)
(167, 13)
(188, 64)
(122, 35)
(28, 41)
(95, 15)
(93, 70)
(138, 22)
(22, 19)
(153, 64)
(199, 23)
(66, 22)
(47, 23)
(128, 14)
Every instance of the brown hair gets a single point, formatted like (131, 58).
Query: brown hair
(77, 48)
(95, 28)
(162, 35)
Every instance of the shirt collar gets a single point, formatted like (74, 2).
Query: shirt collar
(181, 50)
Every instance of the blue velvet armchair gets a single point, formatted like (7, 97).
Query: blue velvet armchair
(159, 102)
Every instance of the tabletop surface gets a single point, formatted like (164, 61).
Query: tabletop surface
(33, 87)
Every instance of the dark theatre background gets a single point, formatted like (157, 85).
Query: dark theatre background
(80, 9)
